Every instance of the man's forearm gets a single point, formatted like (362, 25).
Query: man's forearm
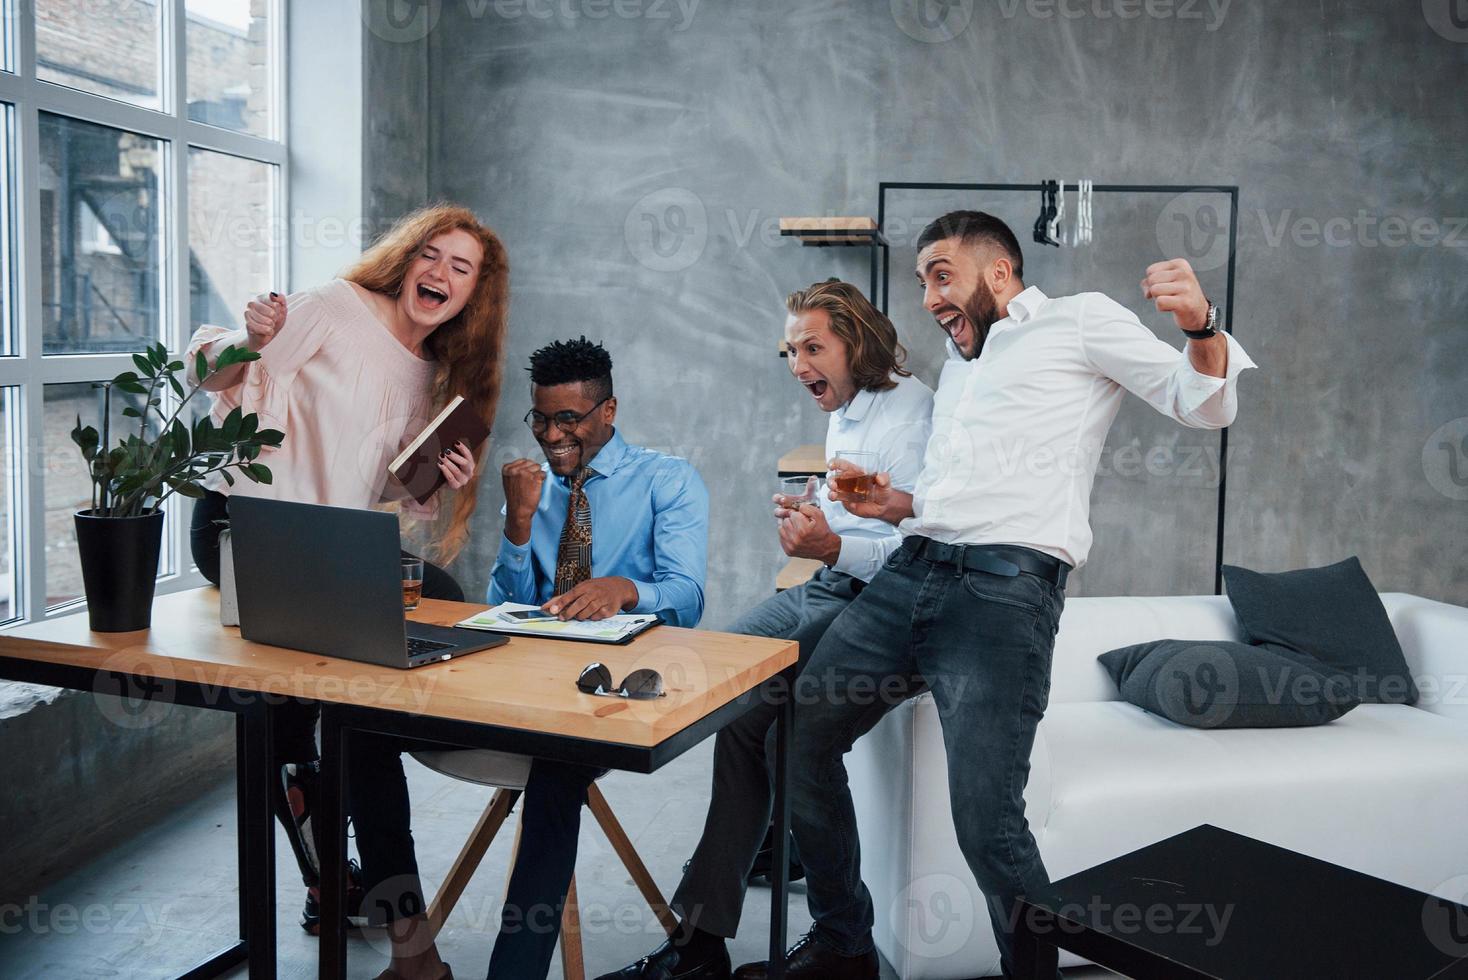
(1209, 356)
(517, 531)
(677, 598)
(512, 579)
(898, 508)
(830, 551)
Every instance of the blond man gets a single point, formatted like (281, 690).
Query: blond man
(845, 353)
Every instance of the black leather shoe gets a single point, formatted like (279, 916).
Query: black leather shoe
(764, 864)
(811, 959)
(663, 964)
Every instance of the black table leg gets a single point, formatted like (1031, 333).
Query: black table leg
(1034, 957)
(334, 749)
(256, 839)
(780, 858)
(242, 818)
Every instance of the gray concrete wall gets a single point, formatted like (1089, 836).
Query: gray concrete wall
(84, 771)
(635, 157)
(395, 110)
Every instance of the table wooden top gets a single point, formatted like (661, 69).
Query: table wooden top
(527, 683)
(797, 571)
(804, 460)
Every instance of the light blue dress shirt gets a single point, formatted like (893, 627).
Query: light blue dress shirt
(649, 523)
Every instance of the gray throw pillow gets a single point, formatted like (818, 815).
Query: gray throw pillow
(1332, 614)
(1222, 684)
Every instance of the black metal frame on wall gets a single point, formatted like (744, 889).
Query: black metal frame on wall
(1231, 190)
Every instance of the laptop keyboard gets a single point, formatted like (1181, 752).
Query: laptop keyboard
(419, 647)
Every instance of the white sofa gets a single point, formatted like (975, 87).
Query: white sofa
(1383, 790)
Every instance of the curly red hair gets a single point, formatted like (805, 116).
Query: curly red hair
(469, 348)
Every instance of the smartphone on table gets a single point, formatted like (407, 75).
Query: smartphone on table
(526, 615)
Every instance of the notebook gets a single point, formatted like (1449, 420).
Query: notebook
(613, 629)
(416, 467)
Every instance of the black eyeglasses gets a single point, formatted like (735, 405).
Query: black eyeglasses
(565, 421)
(640, 685)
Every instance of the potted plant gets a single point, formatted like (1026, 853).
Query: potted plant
(119, 536)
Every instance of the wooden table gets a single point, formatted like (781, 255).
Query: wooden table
(803, 461)
(796, 572)
(519, 697)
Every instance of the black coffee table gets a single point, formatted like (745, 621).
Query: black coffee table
(1210, 903)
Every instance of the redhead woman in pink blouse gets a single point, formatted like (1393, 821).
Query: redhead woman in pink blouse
(351, 371)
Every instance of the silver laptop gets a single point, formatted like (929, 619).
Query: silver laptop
(325, 579)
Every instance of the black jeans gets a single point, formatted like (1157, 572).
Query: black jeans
(982, 644)
(742, 800)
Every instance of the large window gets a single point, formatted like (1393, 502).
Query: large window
(141, 176)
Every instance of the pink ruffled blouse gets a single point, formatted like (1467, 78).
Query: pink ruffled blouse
(346, 393)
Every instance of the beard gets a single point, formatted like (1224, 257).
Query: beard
(982, 312)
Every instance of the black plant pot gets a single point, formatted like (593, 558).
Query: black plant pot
(119, 568)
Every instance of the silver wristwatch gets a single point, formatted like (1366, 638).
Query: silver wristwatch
(1209, 329)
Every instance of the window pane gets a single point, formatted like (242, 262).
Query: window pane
(7, 230)
(230, 256)
(101, 237)
(229, 64)
(68, 487)
(7, 35)
(10, 477)
(106, 47)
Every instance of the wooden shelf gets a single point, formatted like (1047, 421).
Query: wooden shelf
(796, 572)
(833, 230)
(804, 461)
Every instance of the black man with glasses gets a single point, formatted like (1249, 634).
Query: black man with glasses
(599, 527)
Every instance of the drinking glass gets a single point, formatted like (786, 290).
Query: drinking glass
(412, 582)
(798, 490)
(858, 485)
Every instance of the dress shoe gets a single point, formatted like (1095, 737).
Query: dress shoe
(811, 959)
(764, 861)
(764, 864)
(664, 963)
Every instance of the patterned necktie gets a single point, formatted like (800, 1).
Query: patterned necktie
(573, 559)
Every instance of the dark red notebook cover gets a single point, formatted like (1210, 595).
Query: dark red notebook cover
(416, 467)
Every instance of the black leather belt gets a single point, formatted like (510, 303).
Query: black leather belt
(996, 559)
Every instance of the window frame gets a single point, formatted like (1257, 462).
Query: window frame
(27, 368)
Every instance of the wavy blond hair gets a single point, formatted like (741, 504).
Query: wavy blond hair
(872, 351)
(469, 348)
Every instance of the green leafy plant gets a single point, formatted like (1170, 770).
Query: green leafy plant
(134, 477)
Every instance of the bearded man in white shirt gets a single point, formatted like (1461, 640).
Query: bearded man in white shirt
(969, 605)
(845, 353)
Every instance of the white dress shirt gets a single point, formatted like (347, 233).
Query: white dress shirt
(894, 424)
(1018, 431)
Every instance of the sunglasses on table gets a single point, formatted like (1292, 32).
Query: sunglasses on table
(640, 685)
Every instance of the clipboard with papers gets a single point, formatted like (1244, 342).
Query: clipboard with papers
(613, 629)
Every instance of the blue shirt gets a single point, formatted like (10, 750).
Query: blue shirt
(649, 523)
